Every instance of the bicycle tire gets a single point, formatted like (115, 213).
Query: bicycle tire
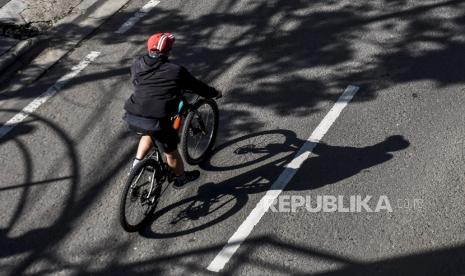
(186, 128)
(130, 226)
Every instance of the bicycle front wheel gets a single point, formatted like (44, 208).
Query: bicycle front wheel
(140, 195)
(199, 131)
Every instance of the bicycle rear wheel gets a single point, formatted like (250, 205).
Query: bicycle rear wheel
(199, 131)
(140, 195)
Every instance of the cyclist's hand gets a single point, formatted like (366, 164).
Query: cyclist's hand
(219, 94)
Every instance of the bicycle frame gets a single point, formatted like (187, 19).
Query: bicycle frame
(165, 171)
(183, 108)
(155, 155)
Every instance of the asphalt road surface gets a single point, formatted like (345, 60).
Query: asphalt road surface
(282, 65)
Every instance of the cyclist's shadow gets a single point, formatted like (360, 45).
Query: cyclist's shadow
(331, 164)
(214, 203)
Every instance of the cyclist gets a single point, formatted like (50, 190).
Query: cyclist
(158, 86)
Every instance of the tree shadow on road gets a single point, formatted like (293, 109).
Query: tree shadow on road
(37, 244)
(435, 262)
(263, 157)
(295, 68)
(298, 55)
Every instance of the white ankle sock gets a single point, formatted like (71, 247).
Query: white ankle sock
(136, 161)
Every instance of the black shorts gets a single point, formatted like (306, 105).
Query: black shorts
(161, 130)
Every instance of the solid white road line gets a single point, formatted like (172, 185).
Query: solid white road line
(134, 19)
(31, 107)
(257, 213)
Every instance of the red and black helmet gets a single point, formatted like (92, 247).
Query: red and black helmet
(160, 42)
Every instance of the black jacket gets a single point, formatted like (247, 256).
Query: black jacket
(158, 85)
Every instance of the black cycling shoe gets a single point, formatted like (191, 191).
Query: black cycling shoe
(181, 181)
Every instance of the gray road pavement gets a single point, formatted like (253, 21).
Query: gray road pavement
(281, 65)
(3, 2)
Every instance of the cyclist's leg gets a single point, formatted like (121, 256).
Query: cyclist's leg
(183, 177)
(175, 162)
(145, 144)
(142, 126)
(168, 139)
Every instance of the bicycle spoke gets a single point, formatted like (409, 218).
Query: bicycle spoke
(138, 204)
(198, 138)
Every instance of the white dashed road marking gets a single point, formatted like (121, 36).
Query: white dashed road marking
(290, 170)
(31, 107)
(134, 19)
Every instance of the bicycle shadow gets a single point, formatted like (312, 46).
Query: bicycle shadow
(216, 202)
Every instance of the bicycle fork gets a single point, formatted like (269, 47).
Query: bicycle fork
(152, 184)
(201, 123)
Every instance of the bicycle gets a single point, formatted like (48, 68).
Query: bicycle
(145, 182)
